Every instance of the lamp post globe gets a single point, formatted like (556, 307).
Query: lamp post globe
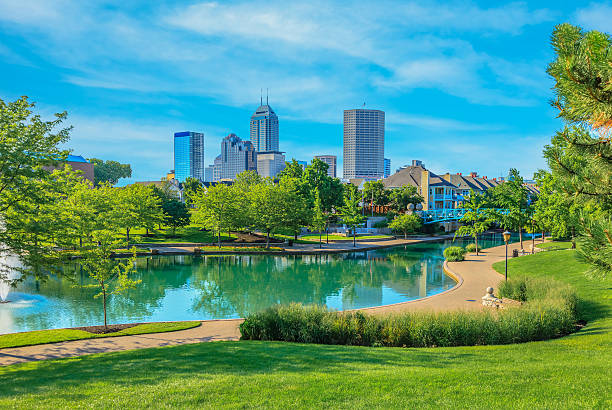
(506, 236)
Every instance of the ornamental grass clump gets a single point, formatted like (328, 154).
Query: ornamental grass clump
(454, 253)
(550, 311)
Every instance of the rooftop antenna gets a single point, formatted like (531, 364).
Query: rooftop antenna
(364, 104)
(267, 89)
(261, 96)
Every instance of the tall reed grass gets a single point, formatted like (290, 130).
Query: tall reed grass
(549, 311)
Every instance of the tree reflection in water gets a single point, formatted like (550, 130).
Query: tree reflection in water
(207, 287)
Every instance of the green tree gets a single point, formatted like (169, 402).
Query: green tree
(301, 213)
(29, 146)
(136, 206)
(192, 187)
(176, 214)
(375, 193)
(110, 276)
(319, 220)
(400, 198)
(272, 207)
(350, 212)
(216, 209)
(292, 170)
(513, 198)
(475, 220)
(582, 72)
(406, 223)
(109, 171)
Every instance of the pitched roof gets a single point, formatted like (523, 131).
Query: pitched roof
(411, 175)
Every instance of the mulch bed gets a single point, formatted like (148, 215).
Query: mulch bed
(109, 329)
(249, 237)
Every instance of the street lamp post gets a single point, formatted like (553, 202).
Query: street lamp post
(506, 239)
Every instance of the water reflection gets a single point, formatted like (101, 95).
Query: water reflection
(215, 287)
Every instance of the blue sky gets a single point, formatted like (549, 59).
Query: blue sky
(463, 84)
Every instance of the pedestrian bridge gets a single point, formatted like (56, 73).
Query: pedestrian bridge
(448, 215)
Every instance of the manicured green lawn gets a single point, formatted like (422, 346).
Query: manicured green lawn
(240, 249)
(183, 235)
(565, 373)
(61, 335)
(315, 237)
(555, 245)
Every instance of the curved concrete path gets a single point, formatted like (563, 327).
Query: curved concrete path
(474, 275)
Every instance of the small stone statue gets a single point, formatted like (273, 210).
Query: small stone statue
(489, 299)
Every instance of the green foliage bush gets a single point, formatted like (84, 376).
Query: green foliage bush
(454, 253)
(549, 312)
(380, 224)
(470, 247)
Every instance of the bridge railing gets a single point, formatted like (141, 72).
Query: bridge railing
(452, 214)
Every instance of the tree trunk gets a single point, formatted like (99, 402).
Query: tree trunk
(354, 237)
(542, 236)
(327, 235)
(147, 231)
(320, 240)
(127, 234)
(104, 303)
(476, 242)
(521, 236)
(268, 239)
(173, 230)
(219, 237)
(295, 234)
(80, 241)
(405, 234)
(573, 238)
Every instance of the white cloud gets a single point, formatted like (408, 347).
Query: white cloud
(596, 16)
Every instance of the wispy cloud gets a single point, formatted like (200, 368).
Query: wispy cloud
(596, 16)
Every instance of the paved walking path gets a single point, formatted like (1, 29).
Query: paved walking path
(474, 275)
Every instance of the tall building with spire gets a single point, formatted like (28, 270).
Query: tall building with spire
(264, 136)
(264, 128)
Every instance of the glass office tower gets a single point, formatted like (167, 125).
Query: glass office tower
(188, 155)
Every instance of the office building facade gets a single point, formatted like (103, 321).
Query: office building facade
(330, 160)
(364, 144)
(188, 155)
(236, 156)
(387, 168)
(270, 164)
(264, 129)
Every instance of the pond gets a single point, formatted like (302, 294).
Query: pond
(221, 287)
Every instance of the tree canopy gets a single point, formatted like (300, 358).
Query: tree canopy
(109, 171)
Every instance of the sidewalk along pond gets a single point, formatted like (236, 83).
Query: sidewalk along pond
(184, 287)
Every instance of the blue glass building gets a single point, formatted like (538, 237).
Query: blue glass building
(188, 155)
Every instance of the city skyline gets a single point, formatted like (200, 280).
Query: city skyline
(477, 90)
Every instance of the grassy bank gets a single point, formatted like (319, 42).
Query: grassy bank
(556, 245)
(569, 372)
(61, 335)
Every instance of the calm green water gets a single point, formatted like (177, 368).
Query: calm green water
(219, 287)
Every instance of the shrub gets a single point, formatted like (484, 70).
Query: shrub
(470, 247)
(550, 311)
(454, 253)
(380, 224)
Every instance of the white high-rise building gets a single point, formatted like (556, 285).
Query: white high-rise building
(364, 144)
(330, 160)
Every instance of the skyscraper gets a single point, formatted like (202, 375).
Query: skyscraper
(330, 160)
(387, 168)
(188, 155)
(364, 143)
(236, 156)
(264, 129)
